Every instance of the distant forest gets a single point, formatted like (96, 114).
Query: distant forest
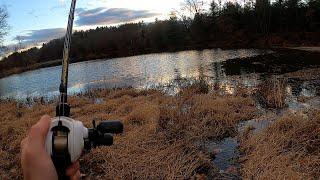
(259, 24)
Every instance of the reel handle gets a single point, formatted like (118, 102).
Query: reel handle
(102, 134)
(104, 140)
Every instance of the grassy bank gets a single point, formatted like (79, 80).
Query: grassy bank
(163, 137)
(166, 136)
(287, 149)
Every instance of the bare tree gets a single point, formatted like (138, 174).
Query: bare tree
(3, 22)
(3, 25)
(193, 6)
(19, 40)
(188, 10)
(184, 19)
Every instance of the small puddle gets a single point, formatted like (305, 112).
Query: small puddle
(225, 153)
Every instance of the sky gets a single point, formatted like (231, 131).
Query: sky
(33, 22)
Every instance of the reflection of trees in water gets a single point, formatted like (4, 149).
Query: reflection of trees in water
(201, 72)
(218, 74)
(3, 89)
(278, 85)
(178, 80)
(177, 74)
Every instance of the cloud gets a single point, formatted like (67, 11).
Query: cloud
(60, 6)
(33, 38)
(41, 35)
(103, 16)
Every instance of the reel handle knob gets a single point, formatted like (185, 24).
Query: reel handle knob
(104, 140)
(110, 127)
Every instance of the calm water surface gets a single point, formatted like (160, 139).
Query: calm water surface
(159, 69)
(136, 71)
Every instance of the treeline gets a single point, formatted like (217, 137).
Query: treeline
(229, 25)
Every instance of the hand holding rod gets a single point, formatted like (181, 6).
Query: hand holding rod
(67, 138)
(60, 137)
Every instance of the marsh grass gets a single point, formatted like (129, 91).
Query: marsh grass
(272, 93)
(287, 149)
(161, 138)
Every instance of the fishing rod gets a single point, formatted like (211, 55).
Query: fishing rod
(68, 138)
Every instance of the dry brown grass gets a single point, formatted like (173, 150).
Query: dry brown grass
(304, 99)
(287, 149)
(162, 133)
(272, 93)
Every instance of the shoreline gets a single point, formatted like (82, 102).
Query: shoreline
(54, 63)
(279, 62)
(57, 62)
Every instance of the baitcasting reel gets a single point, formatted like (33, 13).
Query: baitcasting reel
(68, 138)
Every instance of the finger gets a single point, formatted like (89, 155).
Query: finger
(22, 146)
(77, 176)
(73, 169)
(44, 125)
(38, 132)
(23, 142)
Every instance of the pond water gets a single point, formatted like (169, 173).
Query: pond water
(136, 71)
(161, 69)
